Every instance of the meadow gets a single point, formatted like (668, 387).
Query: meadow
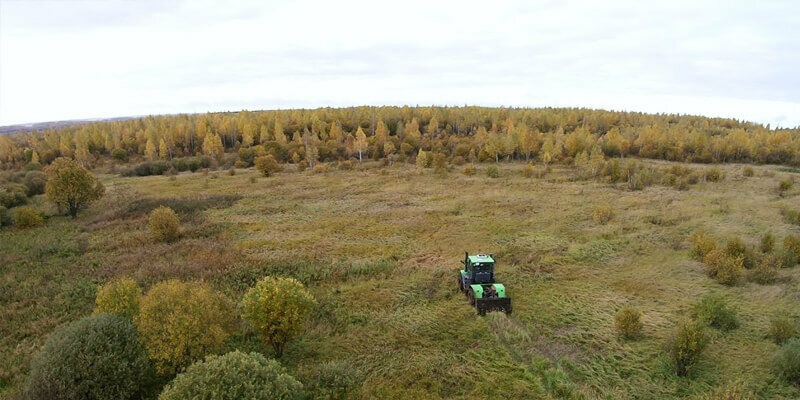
(379, 247)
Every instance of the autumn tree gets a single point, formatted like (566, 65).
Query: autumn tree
(277, 308)
(180, 323)
(360, 143)
(70, 186)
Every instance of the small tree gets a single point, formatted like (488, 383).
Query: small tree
(791, 245)
(277, 308)
(70, 186)
(715, 311)
(121, 297)
(628, 322)
(782, 328)
(685, 345)
(267, 164)
(234, 376)
(96, 357)
(164, 224)
(181, 323)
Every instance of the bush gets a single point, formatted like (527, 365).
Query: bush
(724, 268)
(735, 247)
(628, 322)
(96, 357)
(181, 323)
(791, 244)
(602, 214)
(767, 244)
(528, 171)
(267, 165)
(766, 270)
(121, 297)
(748, 171)
(5, 217)
(35, 181)
(784, 186)
(685, 345)
(713, 174)
(787, 363)
(234, 376)
(790, 216)
(782, 328)
(731, 391)
(715, 311)
(12, 195)
(468, 170)
(277, 309)
(493, 171)
(702, 244)
(27, 217)
(331, 380)
(320, 168)
(164, 224)
(119, 155)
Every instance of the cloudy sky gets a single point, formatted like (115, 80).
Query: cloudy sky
(94, 59)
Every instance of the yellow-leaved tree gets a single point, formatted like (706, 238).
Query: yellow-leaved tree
(277, 310)
(70, 186)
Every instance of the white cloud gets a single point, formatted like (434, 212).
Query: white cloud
(61, 60)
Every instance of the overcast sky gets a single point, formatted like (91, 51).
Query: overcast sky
(91, 59)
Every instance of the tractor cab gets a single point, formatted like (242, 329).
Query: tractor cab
(479, 268)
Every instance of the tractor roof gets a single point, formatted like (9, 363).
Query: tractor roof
(480, 258)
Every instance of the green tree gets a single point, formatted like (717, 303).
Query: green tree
(234, 376)
(121, 297)
(181, 323)
(96, 357)
(70, 186)
(277, 309)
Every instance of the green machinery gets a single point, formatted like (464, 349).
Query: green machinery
(477, 281)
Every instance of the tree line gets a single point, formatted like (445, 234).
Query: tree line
(546, 135)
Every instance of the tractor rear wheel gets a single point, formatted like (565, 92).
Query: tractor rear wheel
(471, 296)
(460, 282)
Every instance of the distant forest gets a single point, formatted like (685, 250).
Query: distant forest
(461, 134)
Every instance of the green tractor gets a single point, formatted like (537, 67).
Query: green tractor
(476, 280)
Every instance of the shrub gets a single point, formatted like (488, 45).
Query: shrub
(767, 243)
(628, 322)
(320, 168)
(782, 328)
(493, 171)
(685, 345)
(119, 155)
(734, 247)
(787, 363)
(70, 186)
(277, 309)
(766, 270)
(181, 323)
(715, 311)
(602, 214)
(702, 244)
(748, 171)
(468, 170)
(267, 165)
(331, 380)
(121, 297)
(164, 224)
(784, 186)
(791, 244)
(96, 357)
(27, 217)
(528, 171)
(790, 216)
(12, 195)
(5, 217)
(35, 181)
(713, 174)
(234, 376)
(787, 258)
(724, 268)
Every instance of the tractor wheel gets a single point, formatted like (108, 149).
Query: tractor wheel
(471, 296)
(460, 282)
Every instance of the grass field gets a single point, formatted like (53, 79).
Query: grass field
(380, 246)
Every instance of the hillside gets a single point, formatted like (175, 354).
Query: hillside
(379, 247)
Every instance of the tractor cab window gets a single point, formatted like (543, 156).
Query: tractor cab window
(482, 267)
